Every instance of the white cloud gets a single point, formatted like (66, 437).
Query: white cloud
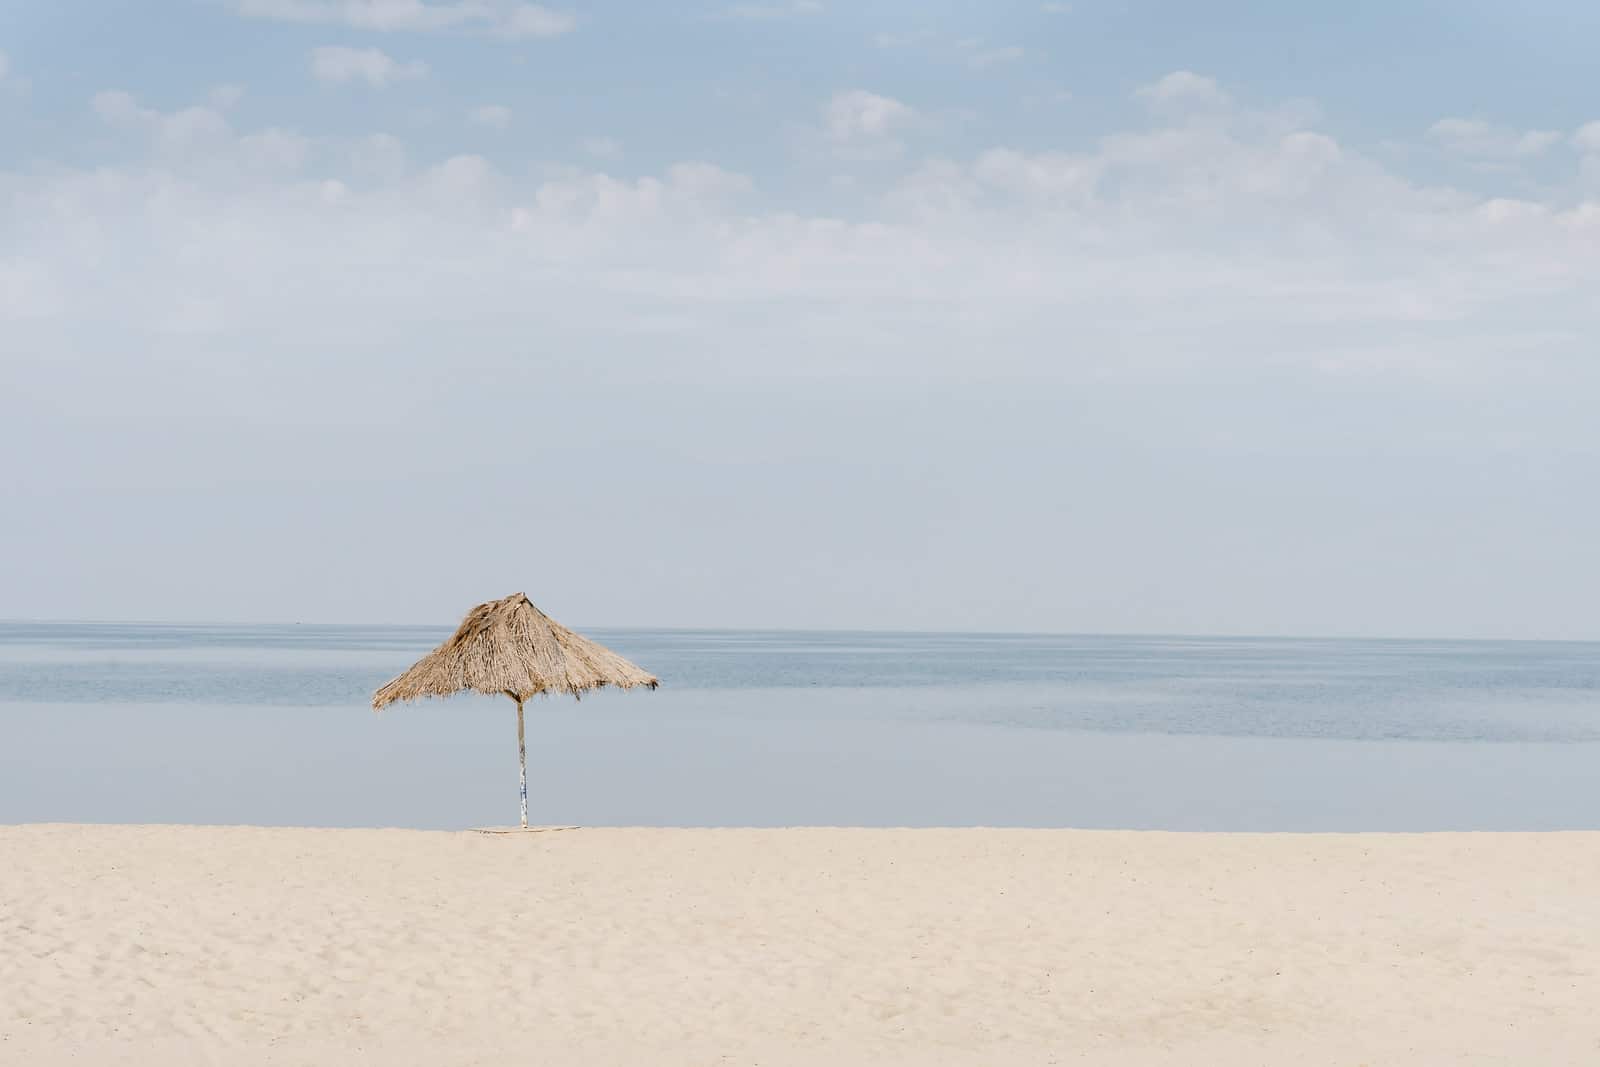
(27, 291)
(792, 9)
(504, 18)
(1587, 141)
(603, 147)
(224, 97)
(119, 108)
(983, 58)
(461, 186)
(1049, 99)
(706, 182)
(203, 133)
(1047, 176)
(1182, 88)
(359, 14)
(1475, 137)
(532, 20)
(495, 116)
(337, 64)
(179, 129)
(582, 201)
(1587, 137)
(379, 158)
(11, 82)
(903, 40)
(274, 149)
(860, 121)
(1502, 210)
(974, 52)
(1231, 241)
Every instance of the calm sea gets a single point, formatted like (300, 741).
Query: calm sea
(270, 724)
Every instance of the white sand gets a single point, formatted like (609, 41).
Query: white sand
(239, 946)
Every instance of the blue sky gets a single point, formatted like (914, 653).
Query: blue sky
(737, 80)
(1236, 317)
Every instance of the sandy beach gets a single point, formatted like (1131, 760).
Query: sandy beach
(169, 944)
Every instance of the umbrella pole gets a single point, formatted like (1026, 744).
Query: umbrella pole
(522, 765)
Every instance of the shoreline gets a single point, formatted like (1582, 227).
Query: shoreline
(147, 944)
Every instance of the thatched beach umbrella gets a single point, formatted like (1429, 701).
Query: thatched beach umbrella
(509, 646)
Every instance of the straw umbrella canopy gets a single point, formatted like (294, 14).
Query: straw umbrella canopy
(510, 647)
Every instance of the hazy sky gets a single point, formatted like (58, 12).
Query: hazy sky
(1134, 316)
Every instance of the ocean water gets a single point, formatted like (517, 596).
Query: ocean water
(270, 725)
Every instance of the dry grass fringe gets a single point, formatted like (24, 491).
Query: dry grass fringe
(510, 647)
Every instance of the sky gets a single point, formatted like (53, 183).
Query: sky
(1135, 316)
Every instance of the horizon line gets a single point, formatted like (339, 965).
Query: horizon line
(885, 631)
